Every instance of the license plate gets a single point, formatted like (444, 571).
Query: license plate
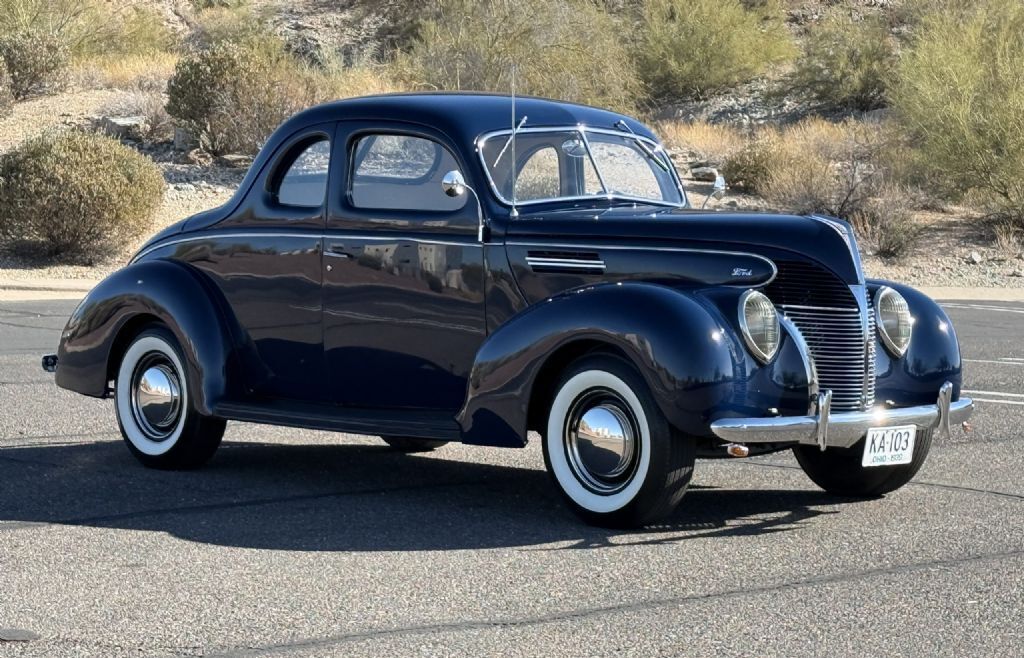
(888, 446)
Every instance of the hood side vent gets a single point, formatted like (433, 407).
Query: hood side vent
(561, 262)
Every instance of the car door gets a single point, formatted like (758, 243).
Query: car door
(404, 272)
(265, 259)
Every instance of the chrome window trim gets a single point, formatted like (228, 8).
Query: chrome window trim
(582, 130)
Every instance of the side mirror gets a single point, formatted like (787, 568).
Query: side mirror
(453, 183)
(718, 191)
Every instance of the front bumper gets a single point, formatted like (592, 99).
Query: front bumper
(843, 430)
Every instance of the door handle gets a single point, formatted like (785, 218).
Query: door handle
(338, 251)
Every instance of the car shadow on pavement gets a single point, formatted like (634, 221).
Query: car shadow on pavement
(350, 498)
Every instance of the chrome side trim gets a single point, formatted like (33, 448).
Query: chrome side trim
(565, 263)
(842, 430)
(682, 250)
(318, 236)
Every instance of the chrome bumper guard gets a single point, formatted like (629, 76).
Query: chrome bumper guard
(825, 429)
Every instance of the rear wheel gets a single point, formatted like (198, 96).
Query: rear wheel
(610, 449)
(154, 405)
(839, 471)
(410, 444)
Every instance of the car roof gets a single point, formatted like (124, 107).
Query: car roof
(464, 116)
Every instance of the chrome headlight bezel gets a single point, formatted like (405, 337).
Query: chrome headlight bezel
(763, 353)
(889, 301)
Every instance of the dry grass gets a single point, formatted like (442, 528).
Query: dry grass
(1008, 239)
(150, 105)
(146, 71)
(715, 143)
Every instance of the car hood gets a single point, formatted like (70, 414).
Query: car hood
(826, 240)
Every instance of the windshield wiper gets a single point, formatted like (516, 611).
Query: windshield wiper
(644, 146)
(508, 142)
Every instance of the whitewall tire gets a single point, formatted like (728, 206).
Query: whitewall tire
(154, 406)
(609, 448)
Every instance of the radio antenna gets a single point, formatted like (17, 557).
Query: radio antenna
(511, 141)
(514, 213)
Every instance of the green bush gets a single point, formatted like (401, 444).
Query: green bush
(36, 61)
(76, 196)
(959, 96)
(233, 95)
(846, 63)
(6, 96)
(566, 50)
(694, 48)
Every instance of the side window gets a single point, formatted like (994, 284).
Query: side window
(304, 184)
(401, 172)
(540, 178)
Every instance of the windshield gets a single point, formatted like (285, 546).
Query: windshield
(578, 163)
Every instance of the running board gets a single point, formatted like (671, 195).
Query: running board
(373, 422)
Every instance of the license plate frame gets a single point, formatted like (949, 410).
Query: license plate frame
(889, 446)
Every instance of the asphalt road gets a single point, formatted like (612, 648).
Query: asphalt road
(312, 544)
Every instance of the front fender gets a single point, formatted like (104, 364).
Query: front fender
(933, 356)
(162, 290)
(677, 343)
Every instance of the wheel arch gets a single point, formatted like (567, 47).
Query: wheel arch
(665, 333)
(159, 291)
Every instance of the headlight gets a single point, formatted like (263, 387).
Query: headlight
(759, 324)
(894, 320)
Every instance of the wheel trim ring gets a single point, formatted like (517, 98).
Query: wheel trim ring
(147, 373)
(622, 475)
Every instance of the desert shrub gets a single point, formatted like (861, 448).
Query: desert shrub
(6, 95)
(233, 21)
(232, 95)
(821, 167)
(90, 27)
(694, 48)
(846, 63)
(749, 169)
(76, 196)
(139, 72)
(36, 61)
(959, 95)
(885, 223)
(714, 143)
(566, 50)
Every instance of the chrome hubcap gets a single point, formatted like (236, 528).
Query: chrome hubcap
(156, 397)
(602, 441)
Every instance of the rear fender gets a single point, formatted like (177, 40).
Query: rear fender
(677, 343)
(162, 291)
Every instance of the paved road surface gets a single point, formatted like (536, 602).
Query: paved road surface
(312, 544)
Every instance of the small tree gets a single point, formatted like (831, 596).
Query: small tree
(569, 50)
(959, 94)
(694, 48)
(847, 63)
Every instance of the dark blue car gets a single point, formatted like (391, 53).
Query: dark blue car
(466, 267)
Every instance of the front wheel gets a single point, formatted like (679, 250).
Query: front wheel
(839, 471)
(154, 405)
(614, 455)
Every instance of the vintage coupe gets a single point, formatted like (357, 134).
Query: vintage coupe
(470, 267)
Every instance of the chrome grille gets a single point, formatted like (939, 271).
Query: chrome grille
(835, 337)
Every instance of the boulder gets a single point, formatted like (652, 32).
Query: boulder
(133, 128)
(705, 174)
